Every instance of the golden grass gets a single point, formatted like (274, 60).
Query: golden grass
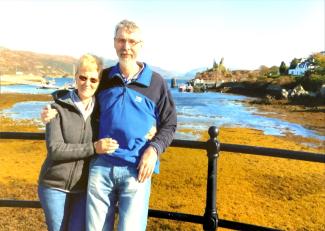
(273, 192)
(8, 99)
(20, 79)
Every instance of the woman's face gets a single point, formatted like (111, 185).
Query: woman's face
(87, 80)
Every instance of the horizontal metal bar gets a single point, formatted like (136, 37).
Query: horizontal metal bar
(176, 216)
(273, 152)
(154, 213)
(23, 135)
(252, 150)
(234, 225)
(20, 204)
(189, 144)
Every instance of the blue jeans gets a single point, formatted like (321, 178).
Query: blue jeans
(110, 186)
(63, 211)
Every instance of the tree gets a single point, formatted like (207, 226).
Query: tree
(273, 71)
(318, 59)
(294, 63)
(263, 70)
(215, 65)
(221, 61)
(221, 67)
(283, 68)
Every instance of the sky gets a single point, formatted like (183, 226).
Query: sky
(179, 35)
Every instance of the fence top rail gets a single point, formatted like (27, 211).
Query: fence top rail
(154, 213)
(234, 148)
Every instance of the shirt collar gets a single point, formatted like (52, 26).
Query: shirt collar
(81, 107)
(132, 78)
(143, 77)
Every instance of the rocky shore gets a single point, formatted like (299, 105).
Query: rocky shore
(272, 93)
(288, 102)
(309, 116)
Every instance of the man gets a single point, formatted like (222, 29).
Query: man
(132, 98)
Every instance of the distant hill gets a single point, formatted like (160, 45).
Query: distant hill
(25, 62)
(109, 62)
(219, 73)
(191, 74)
(164, 73)
(216, 75)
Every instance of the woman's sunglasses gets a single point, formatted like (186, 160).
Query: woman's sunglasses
(84, 78)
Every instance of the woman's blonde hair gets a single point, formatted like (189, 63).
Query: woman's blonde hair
(90, 60)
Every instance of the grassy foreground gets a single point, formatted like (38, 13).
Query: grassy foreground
(279, 193)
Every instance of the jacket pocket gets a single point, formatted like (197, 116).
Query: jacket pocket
(57, 174)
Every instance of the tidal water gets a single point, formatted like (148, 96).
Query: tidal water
(34, 89)
(196, 111)
(199, 111)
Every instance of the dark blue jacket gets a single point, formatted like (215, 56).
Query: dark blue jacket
(128, 111)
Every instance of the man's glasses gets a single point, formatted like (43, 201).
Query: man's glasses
(131, 42)
(84, 79)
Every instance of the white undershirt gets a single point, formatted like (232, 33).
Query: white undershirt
(130, 79)
(84, 110)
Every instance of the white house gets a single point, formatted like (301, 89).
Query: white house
(198, 81)
(301, 68)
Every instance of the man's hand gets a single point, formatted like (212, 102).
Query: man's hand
(48, 113)
(106, 145)
(147, 164)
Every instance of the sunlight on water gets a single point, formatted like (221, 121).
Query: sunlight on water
(199, 111)
(26, 110)
(34, 89)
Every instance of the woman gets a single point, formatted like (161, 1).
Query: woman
(70, 145)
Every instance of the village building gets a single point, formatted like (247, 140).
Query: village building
(301, 68)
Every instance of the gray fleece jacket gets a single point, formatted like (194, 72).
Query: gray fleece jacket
(69, 142)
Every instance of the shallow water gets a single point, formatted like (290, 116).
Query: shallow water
(199, 111)
(34, 89)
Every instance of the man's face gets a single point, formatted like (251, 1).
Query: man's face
(127, 45)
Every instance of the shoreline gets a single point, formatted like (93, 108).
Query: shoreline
(312, 118)
(6, 80)
(305, 116)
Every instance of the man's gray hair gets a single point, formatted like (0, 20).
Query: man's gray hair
(128, 25)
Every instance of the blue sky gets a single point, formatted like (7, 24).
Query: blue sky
(179, 35)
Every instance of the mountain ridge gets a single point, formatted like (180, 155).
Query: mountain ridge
(16, 62)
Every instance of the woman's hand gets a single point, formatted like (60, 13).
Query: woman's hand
(106, 145)
(48, 113)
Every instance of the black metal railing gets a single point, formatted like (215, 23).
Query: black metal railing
(209, 220)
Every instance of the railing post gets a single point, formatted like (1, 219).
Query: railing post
(213, 148)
